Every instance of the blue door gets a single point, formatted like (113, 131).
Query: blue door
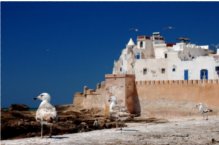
(186, 74)
(204, 74)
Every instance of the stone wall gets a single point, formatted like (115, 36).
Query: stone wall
(152, 98)
(173, 98)
(121, 86)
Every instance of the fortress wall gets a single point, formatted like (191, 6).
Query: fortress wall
(153, 98)
(132, 100)
(94, 101)
(121, 86)
(115, 85)
(176, 97)
(78, 99)
(91, 99)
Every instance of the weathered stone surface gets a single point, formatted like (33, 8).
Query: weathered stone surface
(162, 99)
(19, 107)
(20, 124)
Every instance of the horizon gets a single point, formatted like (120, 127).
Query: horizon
(60, 47)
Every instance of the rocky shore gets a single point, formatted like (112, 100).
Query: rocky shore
(76, 126)
(19, 121)
(183, 131)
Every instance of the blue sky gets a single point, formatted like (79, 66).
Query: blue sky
(58, 47)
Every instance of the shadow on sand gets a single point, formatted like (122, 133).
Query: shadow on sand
(57, 137)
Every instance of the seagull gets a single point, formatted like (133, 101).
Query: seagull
(169, 28)
(46, 113)
(203, 109)
(117, 111)
(113, 103)
(134, 29)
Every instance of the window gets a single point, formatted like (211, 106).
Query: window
(120, 69)
(138, 56)
(174, 68)
(141, 44)
(163, 70)
(165, 55)
(144, 71)
(204, 74)
(186, 74)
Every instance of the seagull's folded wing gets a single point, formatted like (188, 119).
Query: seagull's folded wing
(46, 112)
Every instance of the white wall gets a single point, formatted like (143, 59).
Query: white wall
(194, 67)
(153, 67)
(159, 52)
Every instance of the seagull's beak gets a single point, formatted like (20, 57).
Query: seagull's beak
(35, 98)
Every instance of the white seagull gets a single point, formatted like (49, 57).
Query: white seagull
(134, 29)
(46, 113)
(203, 109)
(113, 103)
(117, 110)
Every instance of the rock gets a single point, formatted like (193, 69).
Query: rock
(21, 124)
(83, 127)
(19, 107)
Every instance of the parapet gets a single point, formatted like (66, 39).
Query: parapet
(160, 82)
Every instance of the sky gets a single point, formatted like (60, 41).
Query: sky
(59, 47)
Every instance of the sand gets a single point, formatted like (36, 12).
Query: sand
(187, 131)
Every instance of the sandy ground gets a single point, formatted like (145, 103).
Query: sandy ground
(187, 131)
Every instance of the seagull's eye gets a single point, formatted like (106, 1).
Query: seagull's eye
(41, 95)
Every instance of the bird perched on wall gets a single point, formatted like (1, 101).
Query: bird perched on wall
(118, 112)
(116, 106)
(46, 113)
(113, 103)
(204, 110)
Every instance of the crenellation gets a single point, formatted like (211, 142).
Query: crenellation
(177, 82)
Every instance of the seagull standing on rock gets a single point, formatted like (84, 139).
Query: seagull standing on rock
(46, 113)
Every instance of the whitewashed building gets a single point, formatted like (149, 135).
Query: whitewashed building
(151, 58)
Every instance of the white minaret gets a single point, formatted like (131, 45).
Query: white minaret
(130, 43)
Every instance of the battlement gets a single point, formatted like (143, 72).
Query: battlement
(176, 82)
(151, 97)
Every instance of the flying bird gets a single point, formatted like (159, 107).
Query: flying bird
(169, 28)
(134, 29)
(46, 113)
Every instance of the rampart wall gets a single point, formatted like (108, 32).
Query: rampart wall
(153, 98)
(176, 97)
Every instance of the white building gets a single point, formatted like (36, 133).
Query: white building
(154, 59)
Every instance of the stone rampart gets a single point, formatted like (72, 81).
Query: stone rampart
(152, 98)
(177, 97)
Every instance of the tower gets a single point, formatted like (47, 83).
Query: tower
(144, 47)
